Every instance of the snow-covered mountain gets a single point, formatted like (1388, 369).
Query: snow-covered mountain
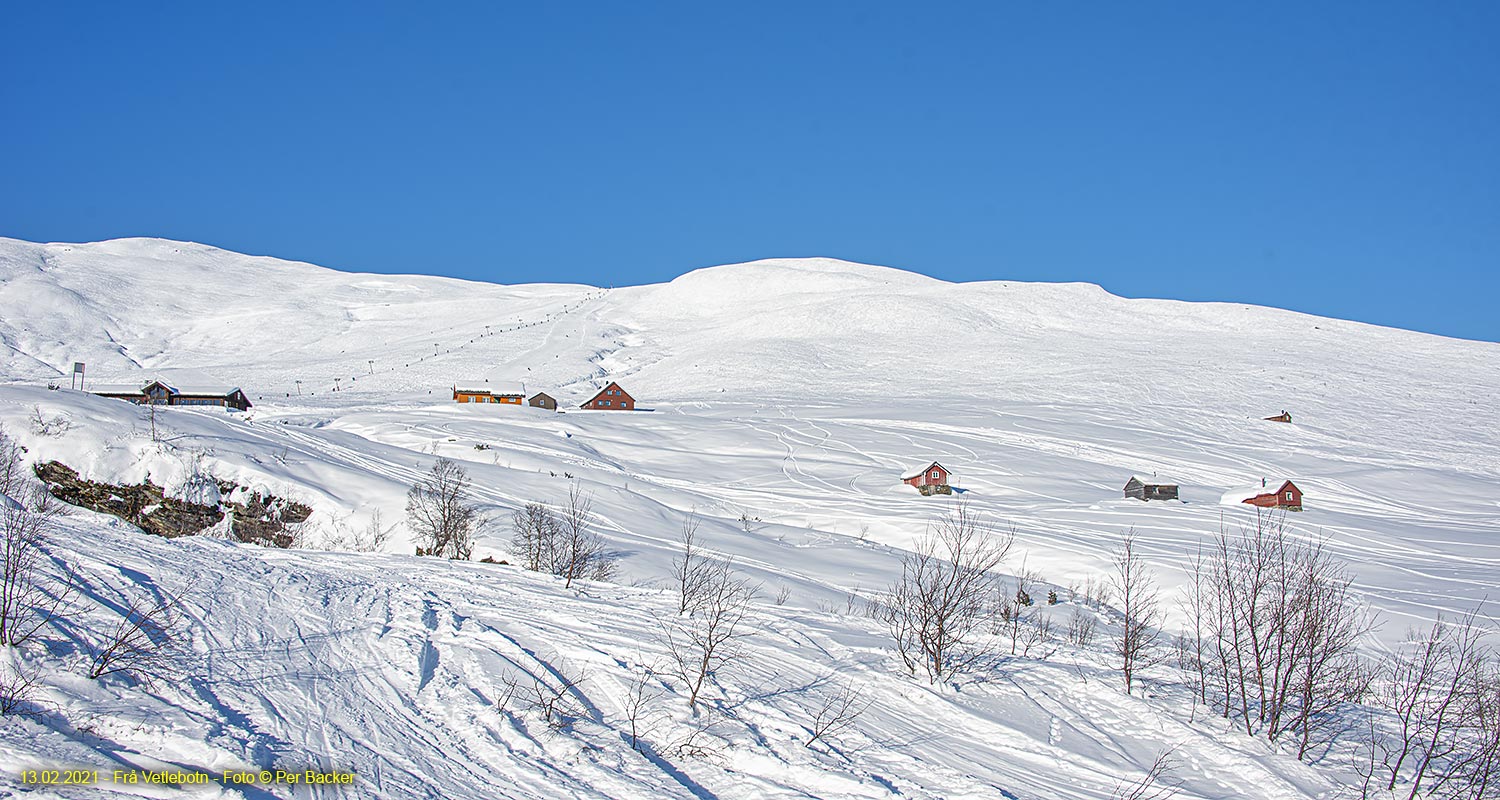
(787, 397)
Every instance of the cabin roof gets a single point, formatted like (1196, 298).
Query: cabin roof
(605, 388)
(484, 386)
(1153, 481)
(191, 389)
(1273, 486)
(915, 471)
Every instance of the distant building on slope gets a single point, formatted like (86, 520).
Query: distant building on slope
(507, 395)
(1284, 416)
(543, 400)
(611, 398)
(1271, 493)
(1143, 490)
(161, 393)
(931, 479)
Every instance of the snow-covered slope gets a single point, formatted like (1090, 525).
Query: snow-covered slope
(788, 397)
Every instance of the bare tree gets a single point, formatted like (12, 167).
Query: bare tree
(28, 600)
(1440, 688)
(937, 608)
(1136, 641)
(641, 713)
(12, 466)
(582, 553)
(19, 680)
(374, 536)
(835, 713)
(535, 532)
(146, 643)
(1156, 784)
(702, 644)
(1082, 625)
(1273, 633)
(439, 514)
(695, 571)
(554, 695)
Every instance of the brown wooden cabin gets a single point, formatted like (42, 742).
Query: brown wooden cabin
(485, 396)
(611, 398)
(1141, 490)
(161, 393)
(1284, 416)
(543, 400)
(930, 479)
(1274, 493)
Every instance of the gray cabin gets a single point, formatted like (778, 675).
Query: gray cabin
(1141, 490)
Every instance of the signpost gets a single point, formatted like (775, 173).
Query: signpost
(77, 376)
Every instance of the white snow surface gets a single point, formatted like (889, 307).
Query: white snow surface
(786, 398)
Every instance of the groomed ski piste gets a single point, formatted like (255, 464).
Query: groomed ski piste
(784, 400)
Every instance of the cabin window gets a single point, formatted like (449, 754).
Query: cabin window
(935, 474)
(603, 402)
(1288, 495)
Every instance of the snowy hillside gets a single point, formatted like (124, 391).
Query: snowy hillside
(786, 399)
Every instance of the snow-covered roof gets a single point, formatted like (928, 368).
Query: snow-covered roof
(114, 388)
(214, 390)
(915, 471)
(210, 389)
(493, 387)
(1155, 480)
(1272, 486)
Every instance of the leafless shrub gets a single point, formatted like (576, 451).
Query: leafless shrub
(1442, 689)
(198, 484)
(1038, 636)
(1135, 643)
(145, 644)
(835, 713)
(1156, 784)
(18, 684)
(29, 601)
(582, 552)
(554, 696)
(1007, 620)
(1097, 592)
(708, 640)
(12, 466)
(694, 570)
(642, 701)
(43, 425)
(374, 536)
(439, 514)
(1272, 633)
(700, 738)
(339, 535)
(937, 608)
(535, 532)
(782, 595)
(748, 523)
(1081, 629)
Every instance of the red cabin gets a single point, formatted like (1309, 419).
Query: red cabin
(1274, 493)
(933, 474)
(611, 398)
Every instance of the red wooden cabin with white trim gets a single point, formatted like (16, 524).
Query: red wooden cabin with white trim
(933, 474)
(611, 398)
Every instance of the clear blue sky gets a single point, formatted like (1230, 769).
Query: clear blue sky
(1340, 158)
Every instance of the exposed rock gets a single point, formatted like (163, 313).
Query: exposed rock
(262, 519)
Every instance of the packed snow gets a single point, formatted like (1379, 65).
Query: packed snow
(784, 400)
